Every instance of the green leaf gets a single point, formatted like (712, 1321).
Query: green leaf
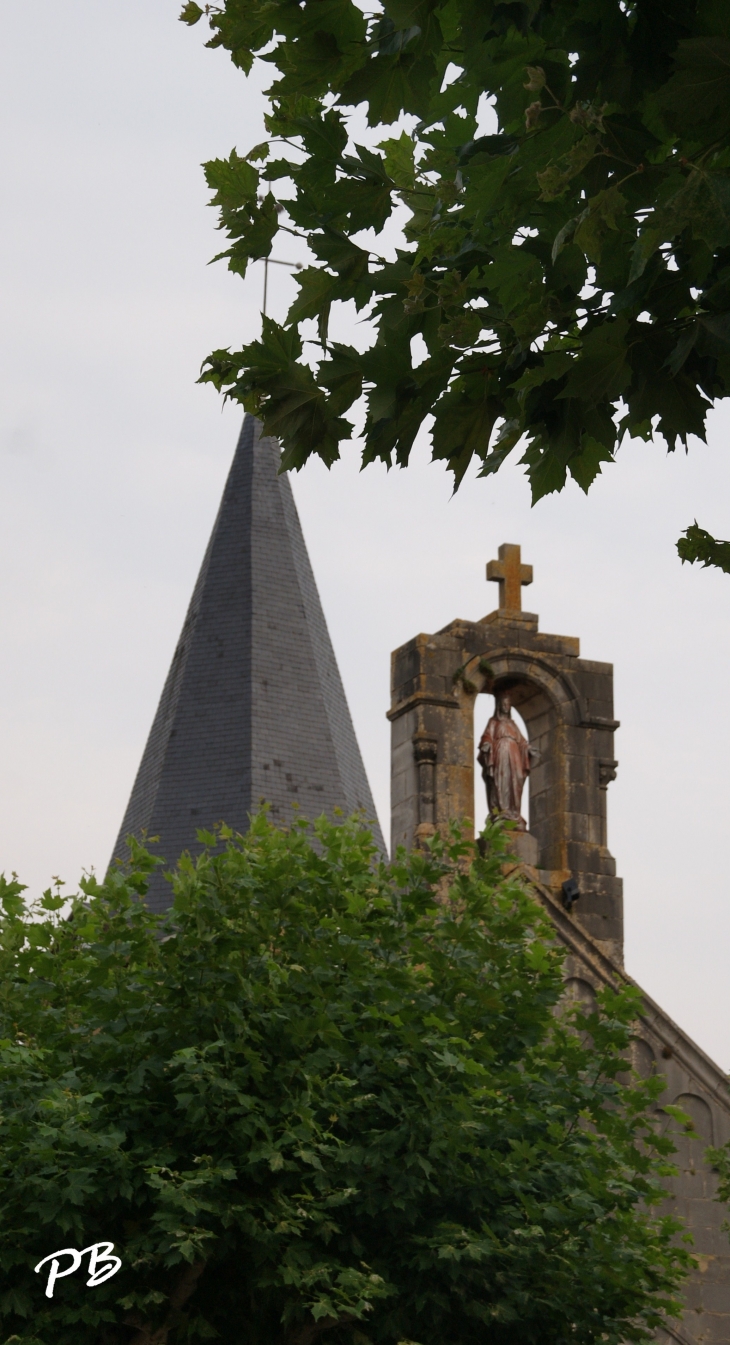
(569, 269)
(701, 203)
(685, 344)
(601, 371)
(676, 399)
(465, 418)
(717, 326)
(342, 375)
(546, 469)
(399, 160)
(562, 237)
(511, 275)
(234, 180)
(699, 547)
(600, 215)
(253, 229)
(392, 83)
(553, 367)
(317, 290)
(190, 13)
(555, 178)
(323, 135)
(350, 262)
(713, 17)
(586, 465)
(699, 91)
(644, 248)
(409, 13)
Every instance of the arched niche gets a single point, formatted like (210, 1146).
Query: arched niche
(642, 1057)
(578, 996)
(579, 993)
(700, 1113)
(641, 1061)
(549, 706)
(690, 1144)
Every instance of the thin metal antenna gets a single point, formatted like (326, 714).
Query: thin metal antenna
(295, 266)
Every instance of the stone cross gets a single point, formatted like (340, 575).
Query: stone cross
(510, 574)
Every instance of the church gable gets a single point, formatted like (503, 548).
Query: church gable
(566, 703)
(697, 1085)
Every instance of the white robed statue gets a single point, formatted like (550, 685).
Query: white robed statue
(505, 757)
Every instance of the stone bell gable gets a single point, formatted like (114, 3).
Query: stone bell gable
(566, 703)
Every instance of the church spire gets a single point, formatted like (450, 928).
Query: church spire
(253, 707)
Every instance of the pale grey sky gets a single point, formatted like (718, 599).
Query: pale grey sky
(112, 461)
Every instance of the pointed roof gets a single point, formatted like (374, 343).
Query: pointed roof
(253, 707)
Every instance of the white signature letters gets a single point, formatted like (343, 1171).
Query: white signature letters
(101, 1264)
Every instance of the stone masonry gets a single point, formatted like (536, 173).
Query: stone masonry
(567, 706)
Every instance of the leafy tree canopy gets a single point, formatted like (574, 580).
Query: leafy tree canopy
(315, 1100)
(565, 168)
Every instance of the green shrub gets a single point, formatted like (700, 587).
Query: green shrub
(319, 1098)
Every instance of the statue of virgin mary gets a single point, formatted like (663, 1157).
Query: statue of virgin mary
(505, 757)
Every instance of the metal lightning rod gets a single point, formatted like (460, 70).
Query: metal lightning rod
(295, 266)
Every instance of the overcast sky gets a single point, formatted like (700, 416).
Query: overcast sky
(112, 462)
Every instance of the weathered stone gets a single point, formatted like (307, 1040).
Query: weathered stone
(567, 705)
(525, 847)
(436, 685)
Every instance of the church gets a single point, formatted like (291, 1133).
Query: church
(254, 710)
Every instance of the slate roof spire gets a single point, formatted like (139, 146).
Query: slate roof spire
(253, 707)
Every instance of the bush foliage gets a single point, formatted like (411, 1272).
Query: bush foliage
(320, 1098)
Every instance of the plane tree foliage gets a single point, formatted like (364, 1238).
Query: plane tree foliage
(562, 169)
(320, 1098)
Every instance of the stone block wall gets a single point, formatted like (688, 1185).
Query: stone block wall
(695, 1083)
(567, 705)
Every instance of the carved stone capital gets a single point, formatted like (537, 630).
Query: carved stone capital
(606, 772)
(425, 747)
